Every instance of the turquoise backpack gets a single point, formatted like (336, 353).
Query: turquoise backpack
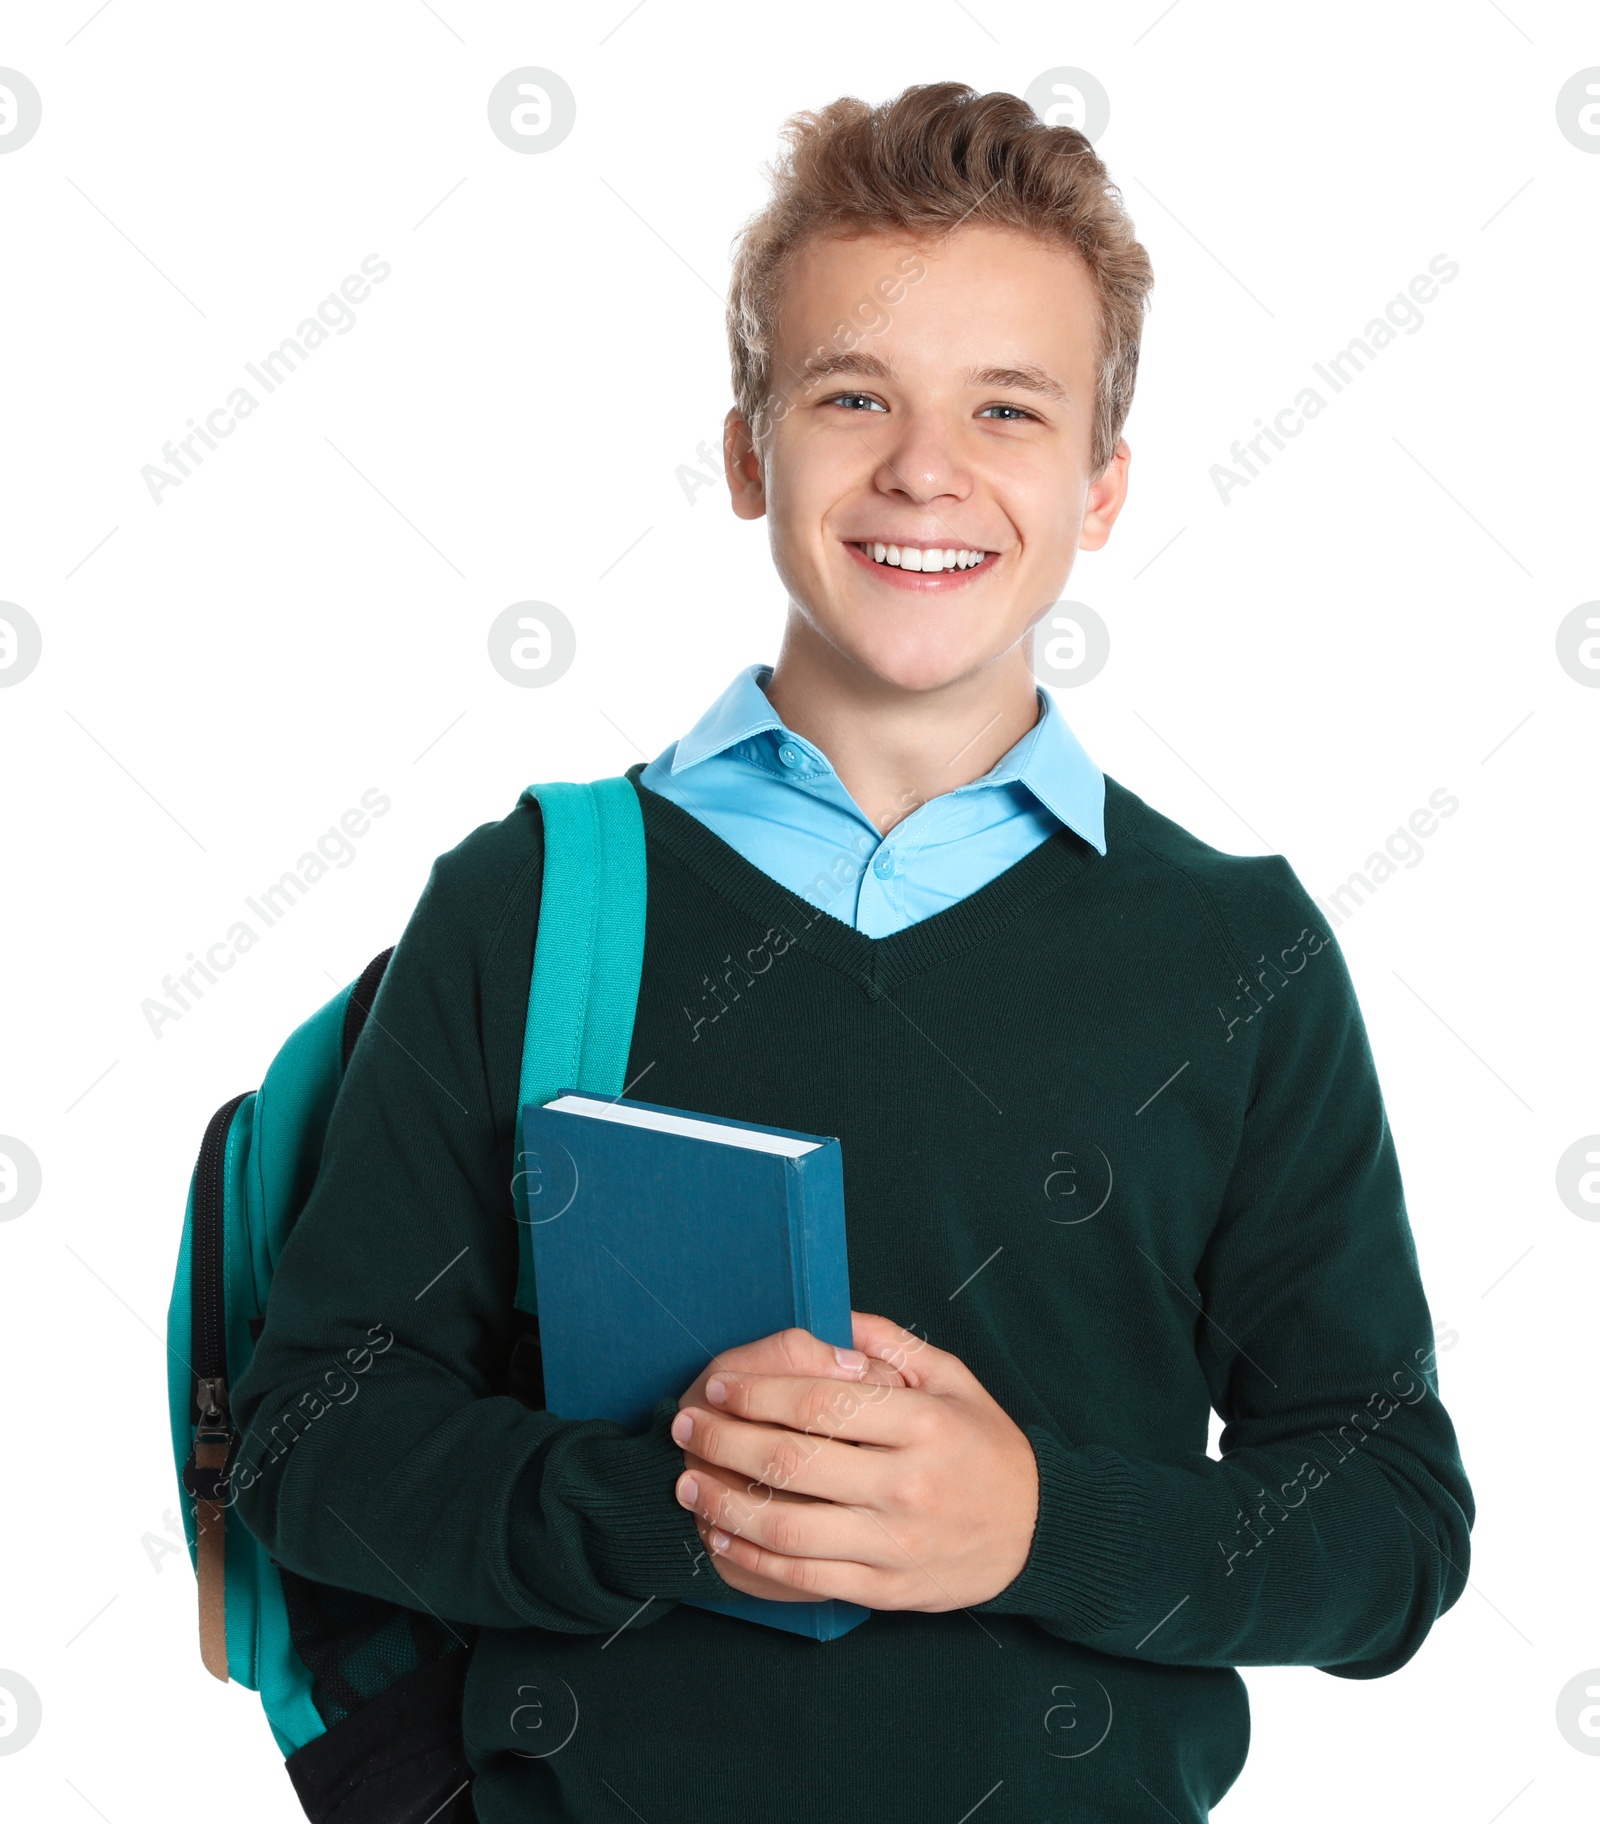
(363, 1697)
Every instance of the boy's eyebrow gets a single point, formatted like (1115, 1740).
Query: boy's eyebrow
(844, 361)
(1027, 379)
(857, 361)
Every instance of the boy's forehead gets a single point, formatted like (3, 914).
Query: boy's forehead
(895, 290)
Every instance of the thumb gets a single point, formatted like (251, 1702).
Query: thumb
(919, 1363)
(793, 1351)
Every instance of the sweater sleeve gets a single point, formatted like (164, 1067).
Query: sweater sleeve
(378, 1451)
(1334, 1529)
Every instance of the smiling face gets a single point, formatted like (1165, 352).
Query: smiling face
(928, 488)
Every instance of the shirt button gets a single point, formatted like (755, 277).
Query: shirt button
(883, 867)
(789, 754)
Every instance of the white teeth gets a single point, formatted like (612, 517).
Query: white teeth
(910, 557)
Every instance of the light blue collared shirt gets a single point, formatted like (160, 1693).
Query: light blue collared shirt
(775, 798)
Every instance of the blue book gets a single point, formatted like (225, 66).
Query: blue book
(661, 1238)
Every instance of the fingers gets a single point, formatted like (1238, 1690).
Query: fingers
(798, 1351)
(803, 1579)
(738, 1576)
(855, 1412)
(794, 1351)
(790, 1525)
(918, 1362)
(750, 1583)
(782, 1459)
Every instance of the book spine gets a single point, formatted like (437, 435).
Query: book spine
(794, 1190)
(818, 1259)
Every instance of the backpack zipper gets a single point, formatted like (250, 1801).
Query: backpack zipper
(208, 1307)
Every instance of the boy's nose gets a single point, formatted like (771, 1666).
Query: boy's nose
(923, 462)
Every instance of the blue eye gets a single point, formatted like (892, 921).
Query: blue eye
(1005, 408)
(853, 401)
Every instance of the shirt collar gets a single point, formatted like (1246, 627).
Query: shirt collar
(1048, 760)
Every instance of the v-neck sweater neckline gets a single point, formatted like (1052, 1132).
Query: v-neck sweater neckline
(875, 964)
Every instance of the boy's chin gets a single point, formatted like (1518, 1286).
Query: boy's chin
(915, 667)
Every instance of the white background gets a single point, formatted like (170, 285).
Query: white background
(1372, 618)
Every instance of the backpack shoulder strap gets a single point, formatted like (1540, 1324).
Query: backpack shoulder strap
(586, 964)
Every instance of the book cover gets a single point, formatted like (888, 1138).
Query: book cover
(662, 1237)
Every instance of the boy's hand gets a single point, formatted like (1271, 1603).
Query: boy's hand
(785, 1352)
(921, 1495)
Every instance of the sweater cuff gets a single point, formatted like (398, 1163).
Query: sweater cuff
(1081, 1572)
(643, 1542)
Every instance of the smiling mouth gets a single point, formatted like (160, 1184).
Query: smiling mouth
(923, 559)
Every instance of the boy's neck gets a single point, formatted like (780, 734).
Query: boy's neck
(894, 749)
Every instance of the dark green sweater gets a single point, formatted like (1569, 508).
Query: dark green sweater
(1111, 1134)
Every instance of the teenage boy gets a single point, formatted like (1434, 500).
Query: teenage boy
(1115, 1151)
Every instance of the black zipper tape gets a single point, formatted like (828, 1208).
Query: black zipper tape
(208, 1305)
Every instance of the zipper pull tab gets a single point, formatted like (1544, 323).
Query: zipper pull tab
(213, 1400)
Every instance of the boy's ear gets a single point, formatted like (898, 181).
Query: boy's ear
(742, 462)
(1107, 494)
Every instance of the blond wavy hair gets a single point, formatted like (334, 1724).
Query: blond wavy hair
(938, 155)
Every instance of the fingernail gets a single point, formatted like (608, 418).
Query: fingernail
(716, 1391)
(682, 1428)
(719, 1541)
(850, 1358)
(688, 1490)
